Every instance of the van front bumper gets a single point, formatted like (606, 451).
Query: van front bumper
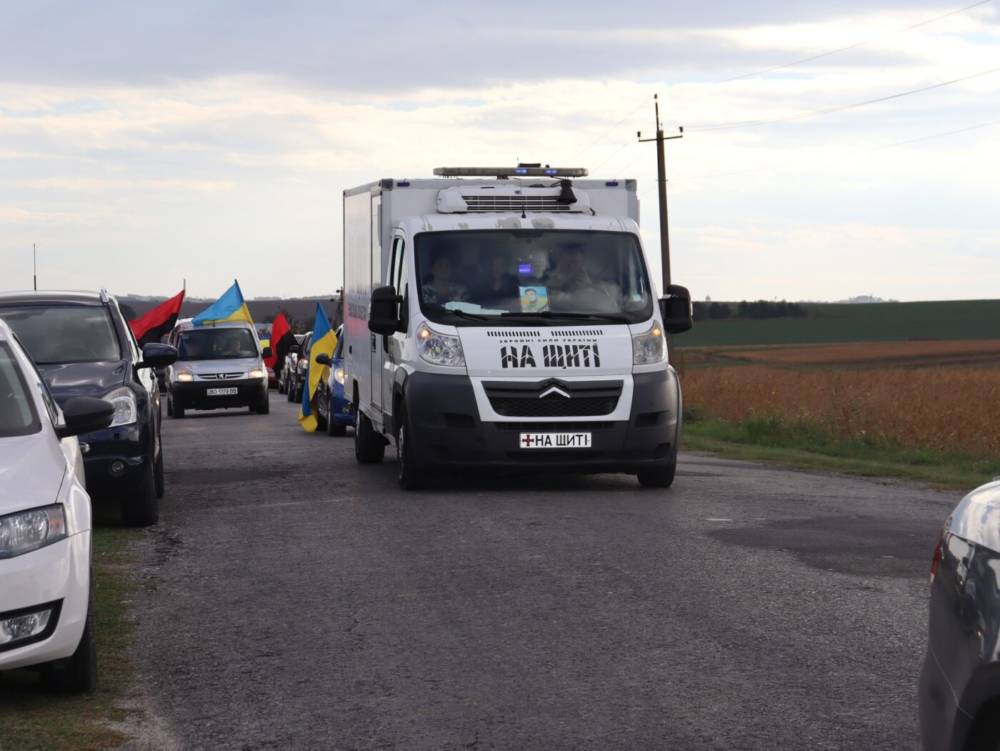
(448, 433)
(194, 394)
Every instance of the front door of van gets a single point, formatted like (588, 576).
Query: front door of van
(394, 344)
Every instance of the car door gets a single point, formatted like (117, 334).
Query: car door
(393, 345)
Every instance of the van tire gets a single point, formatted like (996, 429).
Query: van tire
(369, 447)
(76, 674)
(411, 475)
(158, 474)
(142, 509)
(335, 428)
(290, 391)
(174, 409)
(264, 405)
(661, 477)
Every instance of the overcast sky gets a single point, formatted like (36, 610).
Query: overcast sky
(142, 143)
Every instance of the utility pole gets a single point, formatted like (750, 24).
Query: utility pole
(34, 264)
(661, 170)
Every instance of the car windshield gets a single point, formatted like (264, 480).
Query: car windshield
(216, 344)
(530, 276)
(17, 409)
(59, 334)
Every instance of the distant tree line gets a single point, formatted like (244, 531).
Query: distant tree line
(704, 311)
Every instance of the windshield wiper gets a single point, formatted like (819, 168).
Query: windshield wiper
(462, 314)
(610, 317)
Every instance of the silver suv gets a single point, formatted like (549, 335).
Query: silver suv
(217, 367)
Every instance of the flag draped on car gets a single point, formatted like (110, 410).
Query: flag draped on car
(281, 340)
(324, 339)
(156, 323)
(229, 307)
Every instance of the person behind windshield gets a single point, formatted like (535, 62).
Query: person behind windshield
(231, 346)
(439, 289)
(501, 287)
(571, 287)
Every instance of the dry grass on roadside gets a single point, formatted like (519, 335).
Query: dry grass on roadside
(951, 409)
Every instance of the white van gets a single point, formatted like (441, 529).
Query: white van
(506, 318)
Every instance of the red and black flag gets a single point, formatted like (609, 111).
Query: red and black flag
(158, 322)
(281, 341)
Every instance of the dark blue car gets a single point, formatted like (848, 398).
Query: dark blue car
(83, 346)
(333, 408)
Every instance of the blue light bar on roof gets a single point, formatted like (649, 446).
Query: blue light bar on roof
(510, 171)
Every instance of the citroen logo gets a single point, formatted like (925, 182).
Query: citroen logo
(553, 390)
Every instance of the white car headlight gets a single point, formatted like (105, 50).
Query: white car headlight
(184, 377)
(649, 347)
(439, 349)
(126, 411)
(257, 373)
(25, 531)
(339, 375)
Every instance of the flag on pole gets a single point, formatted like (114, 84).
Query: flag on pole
(324, 339)
(153, 325)
(229, 307)
(281, 340)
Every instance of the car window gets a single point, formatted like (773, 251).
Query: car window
(18, 415)
(64, 333)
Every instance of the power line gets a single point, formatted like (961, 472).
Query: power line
(854, 46)
(613, 128)
(840, 108)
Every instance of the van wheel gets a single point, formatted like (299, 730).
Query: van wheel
(335, 428)
(170, 407)
(290, 391)
(263, 407)
(142, 508)
(369, 448)
(661, 477)
(174, 409)
(411, 475)
(77, 674)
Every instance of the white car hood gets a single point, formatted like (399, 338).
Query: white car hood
(539, 351)
(32, 469)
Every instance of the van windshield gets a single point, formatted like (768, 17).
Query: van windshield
(531, 276)
(216, 344)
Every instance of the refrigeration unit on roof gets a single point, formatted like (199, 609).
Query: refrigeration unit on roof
(472, 199)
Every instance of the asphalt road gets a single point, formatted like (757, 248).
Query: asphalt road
(290, 598)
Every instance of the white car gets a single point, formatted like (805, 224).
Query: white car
(45, 522)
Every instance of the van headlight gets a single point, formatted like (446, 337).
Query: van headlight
(649, 347)
(439, 349)
(339, 375)
(184, 377)
(25, 531)
(126, 411)
(257, 373)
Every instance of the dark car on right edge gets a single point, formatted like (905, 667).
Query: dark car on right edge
(960, 681)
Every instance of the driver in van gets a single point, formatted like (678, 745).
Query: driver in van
(571, 286)
(439, 289)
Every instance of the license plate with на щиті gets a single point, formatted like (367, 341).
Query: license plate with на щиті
(555, 440)
(231, 391)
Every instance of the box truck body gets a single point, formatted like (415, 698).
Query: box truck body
(506, 323)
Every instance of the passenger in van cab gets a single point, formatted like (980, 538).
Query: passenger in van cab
(500, 288)
(571, 286)
(439, 289)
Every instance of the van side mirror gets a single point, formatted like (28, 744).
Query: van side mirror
(268, 352)
(156, 355)
(383, 315)
(676, 309)
(323, 359)
(84, 414)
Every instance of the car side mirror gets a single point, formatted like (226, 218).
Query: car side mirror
(156, 355)
(676, 309)
(268, 352)
(85, 414)
(323, 359)
(383, 314)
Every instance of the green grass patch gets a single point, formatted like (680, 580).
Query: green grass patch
(30, 717)
(810, 446)
(876, 322)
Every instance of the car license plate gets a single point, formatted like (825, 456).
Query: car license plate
(231, 391)
(555, 440)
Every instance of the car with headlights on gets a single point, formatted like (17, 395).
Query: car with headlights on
(960, 681)
(218, 366)
(297, 377)
(46, 618)
(83, 346)
(334, 411)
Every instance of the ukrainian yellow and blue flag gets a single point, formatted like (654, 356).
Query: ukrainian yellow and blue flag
(324, 339)
(229, 307)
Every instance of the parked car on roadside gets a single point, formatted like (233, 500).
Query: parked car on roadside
(297, 376)
(46, 619)
(334, 412)
(83, 346)
(960, 680)
(219, 366)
